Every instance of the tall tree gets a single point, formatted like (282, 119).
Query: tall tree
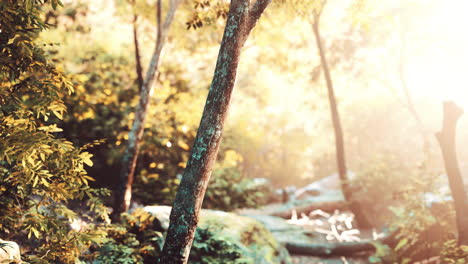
(446, 138)
(339, 142)
(241, 18)
(123, 192)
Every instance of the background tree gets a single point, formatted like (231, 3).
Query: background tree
(241, 19)
(123, 192)
(447, 139)
(339, 139)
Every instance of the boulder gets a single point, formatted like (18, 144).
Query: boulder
(9, 252)
(257, 244)
(325, 189)
(283, 231)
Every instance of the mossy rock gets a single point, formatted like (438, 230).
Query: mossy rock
(229, 238)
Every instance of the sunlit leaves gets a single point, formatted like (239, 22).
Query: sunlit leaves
(207, 12)
(38, 172)
(86, 158)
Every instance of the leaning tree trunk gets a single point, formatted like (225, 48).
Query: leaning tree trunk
(123, 192)
(339, 142)
(446, 138)
(241, 19)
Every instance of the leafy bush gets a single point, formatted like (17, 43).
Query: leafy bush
(391, 191)
(103, 108)
(454, 254)
(379, 185)
(229, 189)
(39, 172)
(210, 246)
(138, 239)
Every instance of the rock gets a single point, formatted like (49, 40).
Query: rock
(9, 252)
(282, 230)
(257, 244)
(329, 186)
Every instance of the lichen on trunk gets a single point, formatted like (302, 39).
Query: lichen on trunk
(187, 204)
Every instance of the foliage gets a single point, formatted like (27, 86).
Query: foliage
(211, 246)
(383, 254)
(39, 172)
(377, 191)
(421, 229)
(138, 239)
(229, 189)
(396, 194)
(102, 108)
(207, 12)
(453, 254)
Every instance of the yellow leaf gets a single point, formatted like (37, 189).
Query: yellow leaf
(86, 158)
(35, 181)
(44, 181)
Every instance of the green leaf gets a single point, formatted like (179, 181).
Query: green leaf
(374, 259)
(401, 244)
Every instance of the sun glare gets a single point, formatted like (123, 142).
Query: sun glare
(437, 60)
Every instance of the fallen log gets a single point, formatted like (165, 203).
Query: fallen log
(337, 249)
(330, 249)
(329, 207)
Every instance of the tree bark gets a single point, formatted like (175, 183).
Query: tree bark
(123, 192)
(339, 142)
(446, 138)
(242, 17)
(136, 44)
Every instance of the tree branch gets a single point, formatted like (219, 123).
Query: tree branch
(255, 12)
(139, 68)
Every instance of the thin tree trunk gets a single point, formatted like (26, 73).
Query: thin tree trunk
(339, 142)
(242, 17)
(123, 192)
(136, 44)
(446, 138)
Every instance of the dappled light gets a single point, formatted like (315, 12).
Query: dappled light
(243, 131)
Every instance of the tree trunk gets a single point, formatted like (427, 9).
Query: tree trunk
(339, 142)
(446, 138)
(136, 44)
(241, 19)
(123, 192)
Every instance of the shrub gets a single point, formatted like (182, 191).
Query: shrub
(139, 239)
(229, 189)
(39, 172)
